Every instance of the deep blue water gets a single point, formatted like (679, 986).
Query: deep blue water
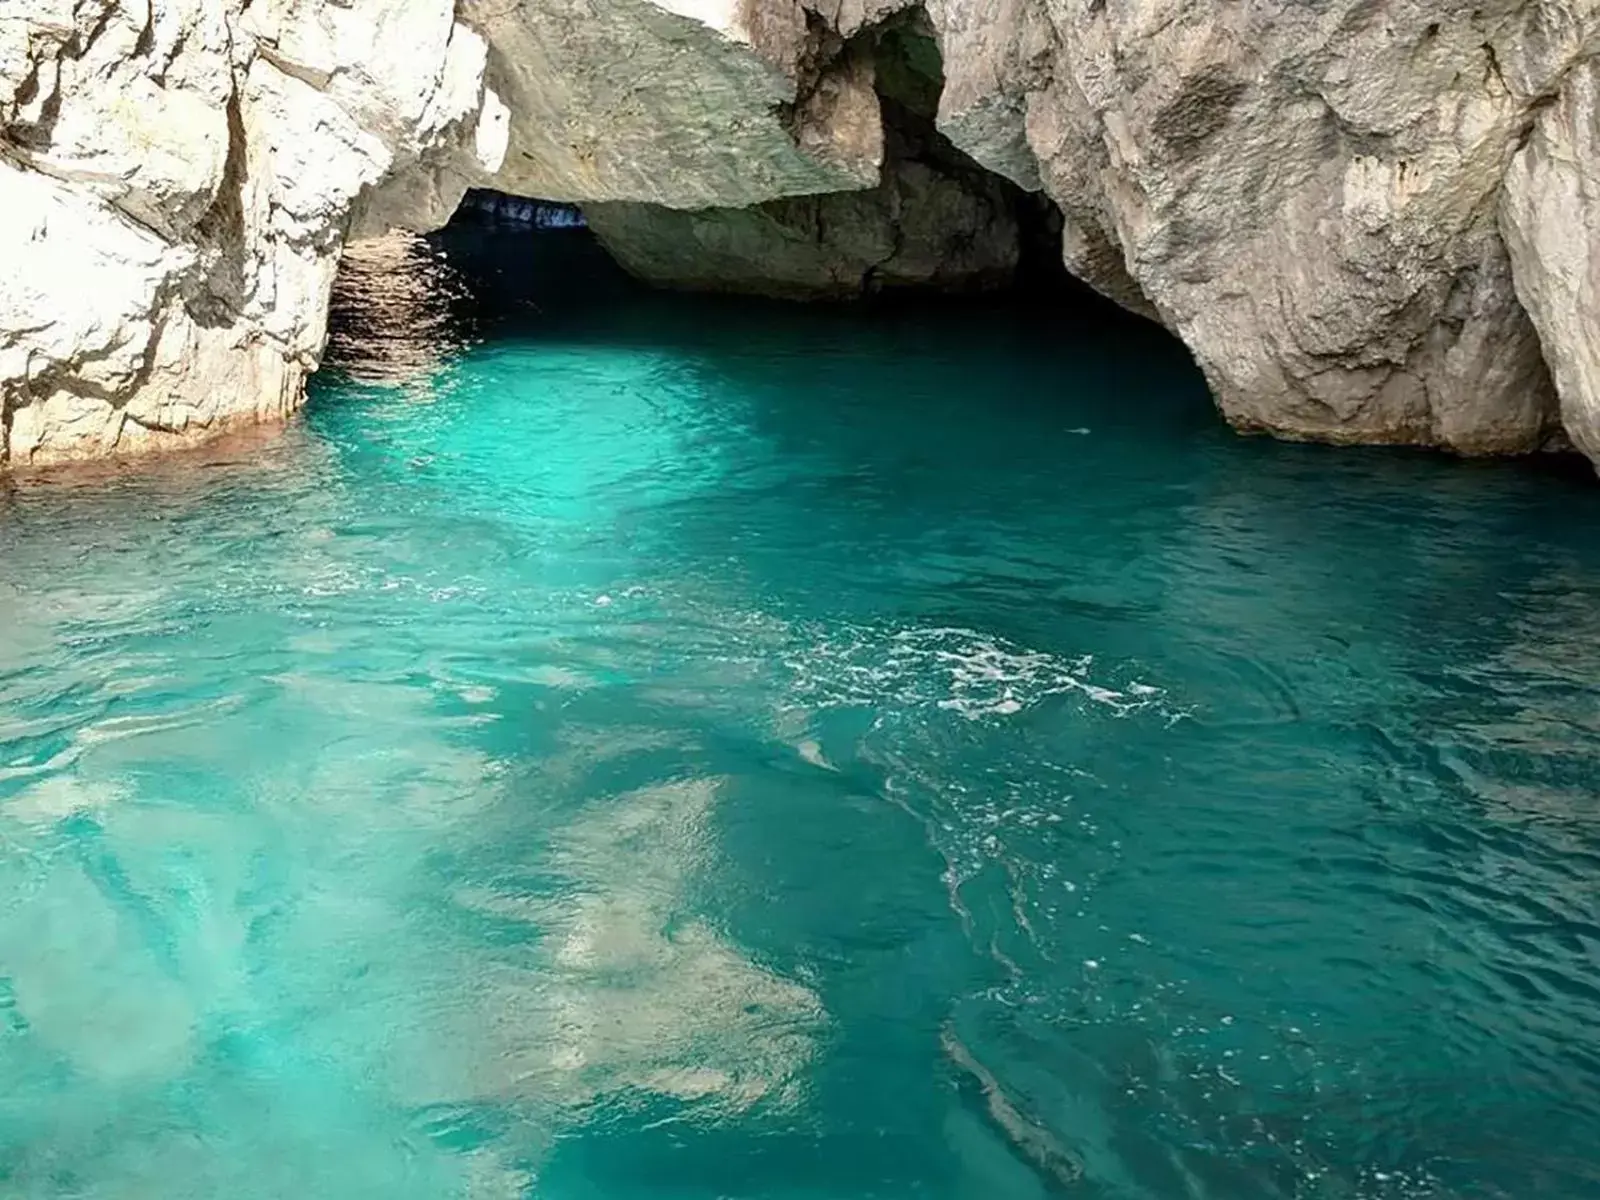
(622, 746)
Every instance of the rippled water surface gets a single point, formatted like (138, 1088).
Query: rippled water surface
(620, 746)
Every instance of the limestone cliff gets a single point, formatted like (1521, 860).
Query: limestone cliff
(1370, 220)
(176, 180)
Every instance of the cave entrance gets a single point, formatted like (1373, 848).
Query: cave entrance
(938, 225)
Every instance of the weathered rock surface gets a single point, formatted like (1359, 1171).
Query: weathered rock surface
(670, 102)
(935, 220)
(918, 229)
(1349, 211)
(1551, 218)
(1307, 195)
(176, 179)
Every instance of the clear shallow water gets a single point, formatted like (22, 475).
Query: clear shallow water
(617, 746)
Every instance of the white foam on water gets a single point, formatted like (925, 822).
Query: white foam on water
(965, 671)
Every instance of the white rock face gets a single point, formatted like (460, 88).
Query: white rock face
(1306, 194)
(671, 102)
(176, 180)
(1551, 216)
(1348, 210)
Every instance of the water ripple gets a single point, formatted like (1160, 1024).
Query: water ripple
(616, 746)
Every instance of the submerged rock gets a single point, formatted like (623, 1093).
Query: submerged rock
(1342, 209)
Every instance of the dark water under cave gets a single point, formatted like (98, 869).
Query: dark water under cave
(618, 745)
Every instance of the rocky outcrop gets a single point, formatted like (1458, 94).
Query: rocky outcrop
(669, 102)
(1551, 218)
(919, 229)
(1308, 195)
(936, 220)
(176, 180)
(1370, 220)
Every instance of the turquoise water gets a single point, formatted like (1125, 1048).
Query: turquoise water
(620, 746)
